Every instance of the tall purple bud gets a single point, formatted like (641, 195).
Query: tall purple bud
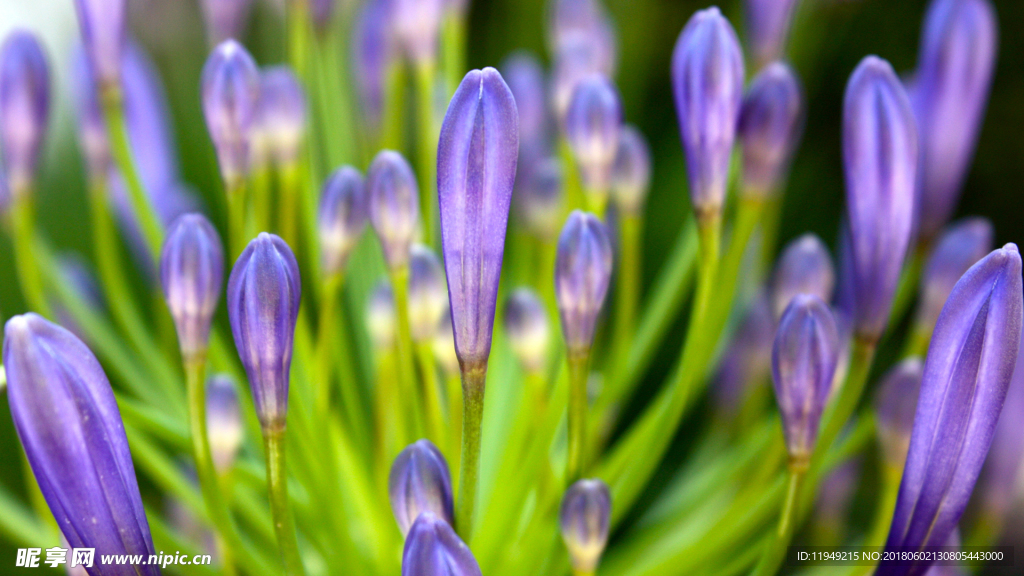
(225, 19)
(707, 78)
(280, 119)
(966, 374)
(959, 248)
(263, 305)
(804, 359)
(525, 78)
(880, 161)
(805, 267)
(895, 405)
(417, 25)
(768, 23)
(584, 519)
(24, 107)
(192, 274)
(420, 482)
(104, 28)
(583, 268)
(592, 126)
(231, 95)
(373, 53)
(583, 25)
(224, 424)
(770, 125)
(428, 297)
(394, 205)
(69, 424)
(631, 172)
(527, 329)
(575, 61)
(433, 549)
(476, 169)
(540, 197)
(951, 87)
(341, 217)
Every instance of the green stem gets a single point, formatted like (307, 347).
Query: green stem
(29, 277)
(325, 332)
(775, 552)
(236, 217)
(393, 112)
(261, 197)
(627, 290)
(578, 371)
(453, 44)
(473, 381)
(453, 385)
(432, 395)
(884, 509)
(573, 187)
(288, 222)
(277, 479)
(410, 403)
(427, 141)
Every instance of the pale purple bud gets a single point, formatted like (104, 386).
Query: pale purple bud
(341, 217)
(592, 126)
(525, 78)
(583, 23)
(631, 172)
(381, 317)
(895, 406)
(231, 96)
(428, 295)
(768, 23)
(747, 361)
(770, 125)
(92, 131)
(394, 205)
(420, 482)
(373, 54)
(104, 28)
(584, 519)
(24, 107)
(443, 345)
(583, 268)
(224, 425)
(417, 25)
(192, 274)
(804, 267)
(225, 19)
(279, 126)
(527, 329)
(433, 549)
(574, 62)
(540, 197)
(959, 248)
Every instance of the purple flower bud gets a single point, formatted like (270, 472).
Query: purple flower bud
(433, 549)
(525, 78)
(192, 274)
(583, 23)
(225, 19)
(341, 217)
(748, 359)
(263, 305)
(428, 295)
(592, 126)
(92, 132)
(956, 63)
(895, 405)
(24, 106)
(963, 244)
(970, 362)
(417, 24)
(527, 329)
(768, 23)
(770, 125)
(540, 197)
(224, 425)
(476, 169)
(584, 519)
(805, 267)
(104, 27)
(880, 160)
(575, 61)
(231, 96)
(69, 424)
(419, 482)
(373, 53)
(443, 345)
(583, 268)
(804, 359)
(279, 126)
(631, 172)
(707, 78)
(394, 205)
(380, 316)
(1003, 469)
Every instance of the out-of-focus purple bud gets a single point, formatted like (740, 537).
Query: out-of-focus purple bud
(768, 23)
(443, 345)
(417, 25)
(433, 549)
(373, 53)
(428, 295)
(540, 196)
(748, 359)
(476, 170)
(104, 28)
(394, 205)
(576, 24)
(770, 125)
(592, 126)
(880, 161)
(1003, 469)
(231, 97)
(420, 482)
(192, 274)
(963, 244)
(895, 406)
(707, 78)
(263, 305)
(584, 519)
(805, 267)
(527, 329)
(321, 11)
(583, 268)
(224, 425)
(69, 424)
(225, 19)
(804, 359)
(631, 172)
(832, 509)
(24, 107)
(92, 132)
(966, 374)
(574, 62)
(525, 78)
(951, 87)
(380, 316)
(341, 217)
(279, 126)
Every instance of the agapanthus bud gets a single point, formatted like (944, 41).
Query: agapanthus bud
(525, 78)
(192, 273)
(951, 87)
(1003, 470)
(380, 316)
(92, 131)
(476, 169)
(592, 126)
(804, 267)
(373, 52)
(433, 549)
(576, 60)
(768, 23)
(707, 78)
(420, 482)
(225, 19)
(104, 28)
(583, 268)
(24, 106)
(394, 201)
(895, 406)
(281, 116)
(443, 345)
(770, 125)
(540, 196)
(341, 217)
(417, 24)
(880, 162)
(70, 427)
(959, 248)
(631, 172)
(966, 374)
(224, 425)
(584, 519)
(748, 359)
(527, 329)
(428, 295)
(804, 359)
(576, 23)
(263, 305)
(231, 96)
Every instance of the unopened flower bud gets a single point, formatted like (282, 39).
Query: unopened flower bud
(341, 217)
(540, 197)
(417, 25)
(231, 95)
(192, 274)
(433, 549)
(592, 126)
(527, 329)
(959, 248)
(281, 116)
(394, 205)
(895, 406)
(770, 124)
(805, 267)
(584, 519)
(24, 107)
(104, 28)
(631, 172)
(583, 269)
(419, 482)
(443, 346)
(223, 421)
(380, 316)
(428, 295)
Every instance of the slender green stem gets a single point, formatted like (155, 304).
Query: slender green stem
(288, 196)
(573, 187)
(261, 198)
(576, 572)
(393, 112)
(453, 44)
(29, 277)
(411, 403)
(277, 479)
(325, 332)
(579, 362)
(775, 551)
(453, 386)
(627, 290)
(236, 217)
(299, 38)
(473, 381)
(432, 395)
(884, 509)
(427, 142)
